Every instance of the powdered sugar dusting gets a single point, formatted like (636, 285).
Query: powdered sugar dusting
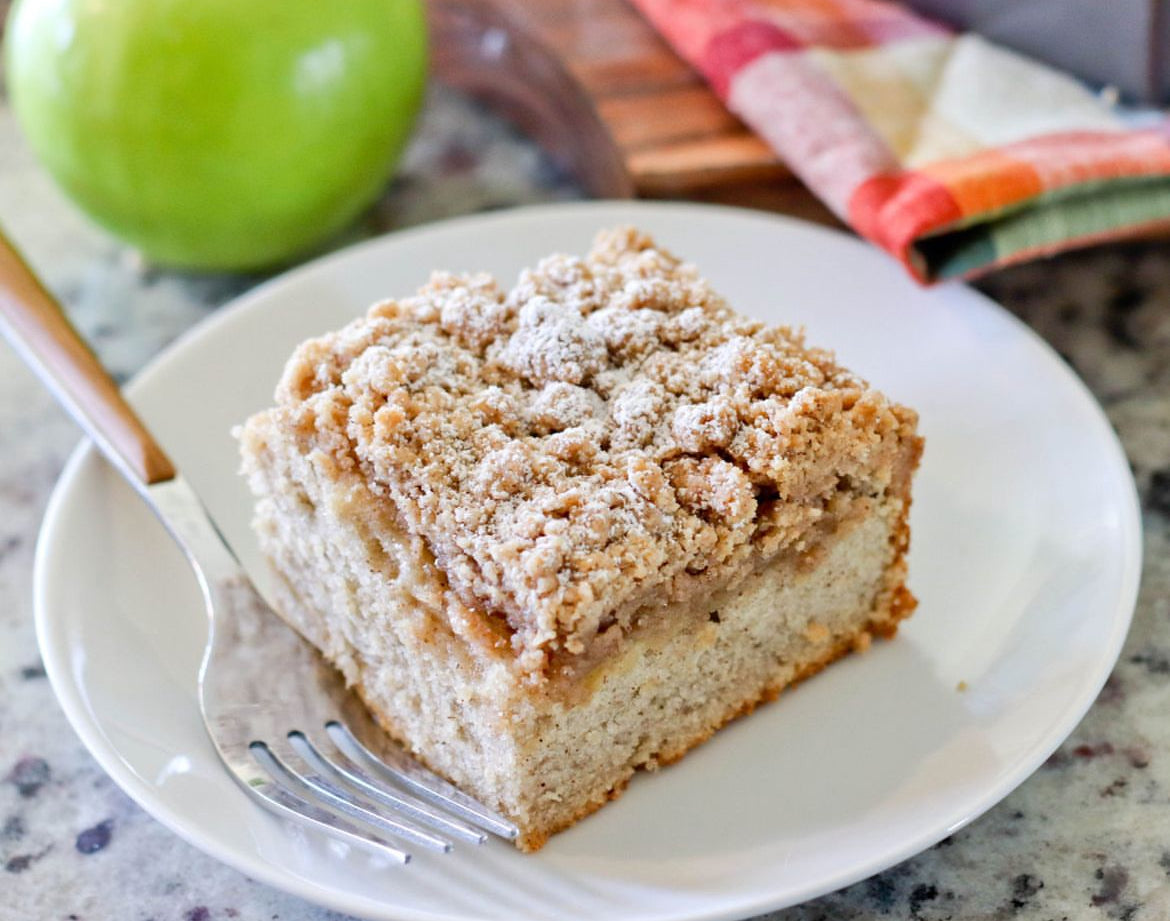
(552, 342)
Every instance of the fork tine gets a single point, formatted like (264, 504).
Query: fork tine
(287, 805)
(305, 813)
(420, 781)
(337, 768)
(322, 795)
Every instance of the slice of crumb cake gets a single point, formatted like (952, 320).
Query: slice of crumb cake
(562, 532)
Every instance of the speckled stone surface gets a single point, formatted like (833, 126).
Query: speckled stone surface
(1087, 837)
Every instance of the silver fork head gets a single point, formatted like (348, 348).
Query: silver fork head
(265, 695)
(291, 733)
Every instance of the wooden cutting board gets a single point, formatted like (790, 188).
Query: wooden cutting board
(595, 85)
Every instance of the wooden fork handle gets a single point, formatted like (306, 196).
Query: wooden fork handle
(40, 331)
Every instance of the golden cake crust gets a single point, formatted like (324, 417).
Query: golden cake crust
(607, 432)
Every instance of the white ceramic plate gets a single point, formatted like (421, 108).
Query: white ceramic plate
(1026, 557)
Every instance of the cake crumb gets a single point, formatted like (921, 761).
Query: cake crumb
(816, 632)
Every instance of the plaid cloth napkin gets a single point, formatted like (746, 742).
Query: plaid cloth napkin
(955, 155)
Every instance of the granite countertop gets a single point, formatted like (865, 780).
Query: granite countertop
(1088, 836)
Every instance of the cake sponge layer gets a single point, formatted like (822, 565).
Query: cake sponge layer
(373, 601)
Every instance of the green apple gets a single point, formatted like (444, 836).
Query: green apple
(218, 134)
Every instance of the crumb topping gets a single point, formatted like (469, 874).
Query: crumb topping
(606, 433)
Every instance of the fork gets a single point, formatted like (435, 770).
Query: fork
(281, 719)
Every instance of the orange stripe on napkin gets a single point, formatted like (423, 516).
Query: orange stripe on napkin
(985, 182)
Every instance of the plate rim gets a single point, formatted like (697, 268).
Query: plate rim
(87, 726)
